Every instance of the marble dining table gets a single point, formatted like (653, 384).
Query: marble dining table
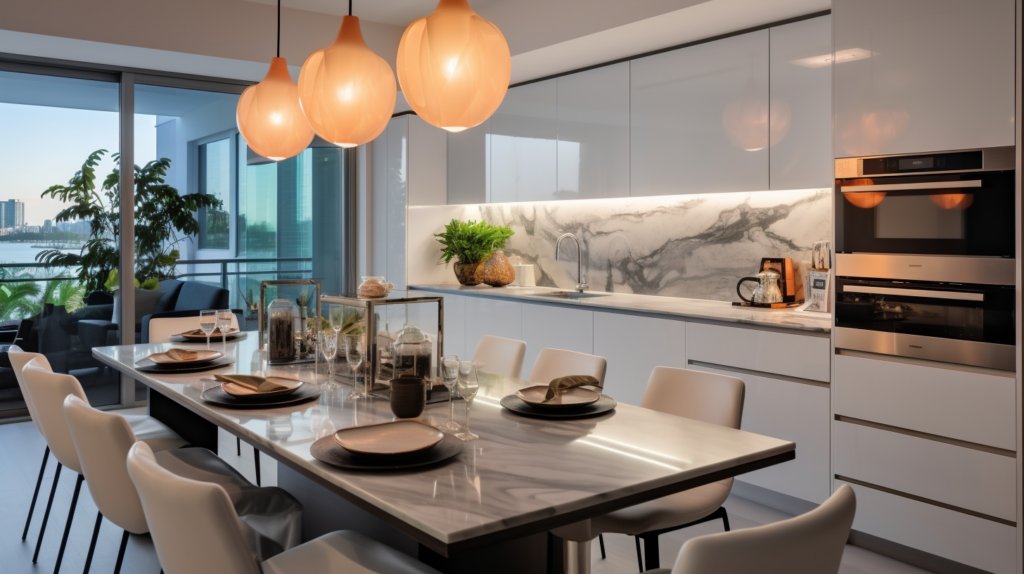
(492, 504)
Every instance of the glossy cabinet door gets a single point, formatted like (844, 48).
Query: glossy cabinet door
(523, 145)
(699, 118)
(633, 346)
(800, 111)
(468, 165)
(556, 327)
(397, 186)
(923, 75)
(428, 151)
(593, 133)
(486, 316)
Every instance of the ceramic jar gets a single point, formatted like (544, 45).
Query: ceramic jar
(373, 287)
(498, 270)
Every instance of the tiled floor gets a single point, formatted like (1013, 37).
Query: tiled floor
(21, 450)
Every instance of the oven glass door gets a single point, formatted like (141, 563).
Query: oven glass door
(981, 313)
(960, 214)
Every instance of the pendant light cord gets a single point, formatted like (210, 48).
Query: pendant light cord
(278, 28)
(349, 7)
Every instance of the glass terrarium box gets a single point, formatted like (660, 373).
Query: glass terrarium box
(401, 336)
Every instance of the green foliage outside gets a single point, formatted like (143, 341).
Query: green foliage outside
(26, 297)
(471, 241)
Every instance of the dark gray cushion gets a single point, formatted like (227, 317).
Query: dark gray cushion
(195, 295)
(170, 288)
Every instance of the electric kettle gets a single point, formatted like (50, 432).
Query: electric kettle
(767, 290)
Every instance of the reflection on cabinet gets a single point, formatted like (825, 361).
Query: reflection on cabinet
(390, 165)
(522, 145)
(633, 346)
(485, 316)
(800, 114)
(468, 162)
(593, 133)
(699, 118)
(556, 327)
(923, 75)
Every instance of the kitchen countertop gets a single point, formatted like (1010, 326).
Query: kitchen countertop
(721, 311)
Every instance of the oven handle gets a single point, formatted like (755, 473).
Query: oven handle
(911, 186)
(959, 296)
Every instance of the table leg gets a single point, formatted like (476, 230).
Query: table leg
(577, 557)
(195, 429)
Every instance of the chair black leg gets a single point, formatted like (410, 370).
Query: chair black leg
(46, 515)
(120, 553)
(67, 527)
(600, 540)
(651, 557)
(256, 459)
(92, 545)
(238, 445)
(35, 494)
(639, 556)
(725, 518)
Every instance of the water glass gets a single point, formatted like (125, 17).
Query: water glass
(336, 313)
(449, 376)
(327, 341)
(469, 384)
(354, 357)
(208, 323)
(224, 325)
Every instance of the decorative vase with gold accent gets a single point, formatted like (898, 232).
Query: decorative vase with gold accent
(498, 270)
(468, 273)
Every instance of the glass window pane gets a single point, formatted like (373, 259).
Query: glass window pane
(215, 180)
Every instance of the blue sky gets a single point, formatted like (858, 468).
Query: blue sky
(41, 146)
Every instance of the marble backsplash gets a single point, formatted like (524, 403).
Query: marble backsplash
(678, 246)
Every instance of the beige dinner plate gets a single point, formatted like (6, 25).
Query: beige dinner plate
(398, 437)
(184, 356)
(236, 390)
(198, 334)
(574, 397)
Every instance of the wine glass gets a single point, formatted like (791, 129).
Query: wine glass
(337, 317)
(449, 376)
(354, 357)
(327, 340)
(208, 323)
(223, 325)
(468, 384)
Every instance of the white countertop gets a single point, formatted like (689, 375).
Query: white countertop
(670, 306)
(521, 472)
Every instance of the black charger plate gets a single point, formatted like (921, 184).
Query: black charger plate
(218, 396)
(329, 451)
(521, 407)
(213, 338)
(147, 366)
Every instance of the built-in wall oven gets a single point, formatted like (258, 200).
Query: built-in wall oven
(925, 247)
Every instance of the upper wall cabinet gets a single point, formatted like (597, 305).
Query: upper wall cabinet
(523, 141)
(593, 133)
(428, 150)
(699, 118)
(800, 114)
(923, 75)
(467, 165)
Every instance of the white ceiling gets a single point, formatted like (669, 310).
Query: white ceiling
(394, 12)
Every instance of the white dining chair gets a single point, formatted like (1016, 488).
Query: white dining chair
(102, 440)
(18, 360)
(48, 391)
(161, 329)
(708, 397)
(500, 356)
(196, 531)
(811, 543)
(554, 363)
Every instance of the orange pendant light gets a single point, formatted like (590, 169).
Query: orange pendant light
(347, 92)
(268, 114)
(454, 66)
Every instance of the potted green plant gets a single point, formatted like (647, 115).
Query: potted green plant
(471, 243)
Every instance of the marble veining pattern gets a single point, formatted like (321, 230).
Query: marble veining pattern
(519, 471)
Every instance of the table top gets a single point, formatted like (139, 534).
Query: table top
(520, 477)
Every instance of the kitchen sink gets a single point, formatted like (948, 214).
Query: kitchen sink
(569, 295)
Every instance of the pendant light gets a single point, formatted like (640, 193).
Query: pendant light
(347, 92)
(454, 66)
(268, 114)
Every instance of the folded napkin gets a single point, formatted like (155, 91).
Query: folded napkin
(256, 383)
(182, 354)
(562, 384)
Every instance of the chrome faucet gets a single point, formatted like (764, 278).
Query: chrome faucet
(581, 281)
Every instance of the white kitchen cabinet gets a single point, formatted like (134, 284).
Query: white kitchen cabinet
(923, 75)
(424, 315)
(593, 133)
(523, 145)
(793, 411)
(428, 158)
(800, 111)
(556, 327)
(803, 356)
(487, 316)
(633, 346)
(396, 178)
(699, 118)
(468, 160)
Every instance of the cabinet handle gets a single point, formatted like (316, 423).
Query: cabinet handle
(957, 295)
(911, 186)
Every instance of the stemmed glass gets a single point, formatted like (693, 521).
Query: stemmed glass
(354, 357)
(469, 384)
(327, 340)
(337, 317)
(450, 375)
(223, 324)
(208, 323)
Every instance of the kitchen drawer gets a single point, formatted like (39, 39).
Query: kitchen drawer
(803, 356)
(950, 402)
(963, 477)
(977, 542)
(797, 412)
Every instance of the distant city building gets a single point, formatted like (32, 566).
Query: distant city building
(14, 214)
(3, 214)
(48, 226)
(31, 228)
